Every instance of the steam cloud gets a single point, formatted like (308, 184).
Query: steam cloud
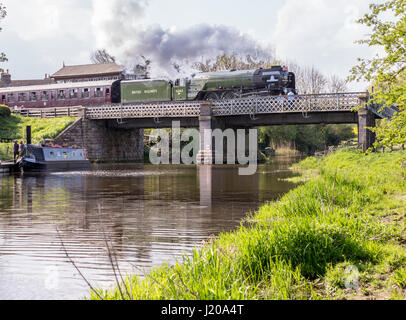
(120, 28)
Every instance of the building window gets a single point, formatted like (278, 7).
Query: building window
(33, 96)
(44, 96)
(61, 95)
(10, 97)
(85, 93)
(107, 91)
(73, 93)
(98, 92)
(22, 97)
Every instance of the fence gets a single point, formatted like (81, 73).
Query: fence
(50, 112)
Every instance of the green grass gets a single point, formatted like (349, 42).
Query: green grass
(13, 127)
(345, 226)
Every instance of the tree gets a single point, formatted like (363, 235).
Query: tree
(386, 72)
(3, 13)
(234, 61)
(101, 56)
(309, 80)
(336, 85)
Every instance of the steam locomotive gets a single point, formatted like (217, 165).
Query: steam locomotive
(206, 86)
(202, 86)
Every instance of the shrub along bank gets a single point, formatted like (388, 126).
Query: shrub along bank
(340, 235)
(13, 127)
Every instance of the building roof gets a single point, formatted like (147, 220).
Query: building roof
(88, 70)
(56, 86)
(25, 83)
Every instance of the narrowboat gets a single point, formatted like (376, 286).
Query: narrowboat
(39, 158)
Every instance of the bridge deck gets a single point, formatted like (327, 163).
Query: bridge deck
(242, 106)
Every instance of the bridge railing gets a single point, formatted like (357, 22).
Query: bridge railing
(149, 110)
(282, 104)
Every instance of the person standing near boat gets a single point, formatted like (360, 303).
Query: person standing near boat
(15, 150)
(21, 148)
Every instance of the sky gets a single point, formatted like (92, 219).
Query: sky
(38, 36)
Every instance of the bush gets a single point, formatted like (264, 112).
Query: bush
(4, 111)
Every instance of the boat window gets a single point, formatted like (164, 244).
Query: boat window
(98, 92)
(65, 155)
(61, 95)
(22, 97)
(52, 95)
(52, 153)
(10, 97)
(44, 96)
(85, 93)
(73, 93)
(33, 96)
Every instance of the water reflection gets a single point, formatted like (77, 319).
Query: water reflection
(150, 214)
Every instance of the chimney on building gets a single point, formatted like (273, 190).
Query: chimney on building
(5, 79)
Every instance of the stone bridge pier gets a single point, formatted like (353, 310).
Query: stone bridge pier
(366, 120)
(103, 143)
(220, 148)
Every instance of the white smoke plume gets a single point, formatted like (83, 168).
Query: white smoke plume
(121, 29)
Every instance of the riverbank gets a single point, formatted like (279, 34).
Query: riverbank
(341, 235)
(13, 127)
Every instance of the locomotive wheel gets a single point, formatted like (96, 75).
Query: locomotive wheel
(229, 95)
(211, 96)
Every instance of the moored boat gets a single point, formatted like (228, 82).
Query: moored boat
(48, 157)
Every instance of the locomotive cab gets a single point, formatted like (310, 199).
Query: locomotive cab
(180, 89)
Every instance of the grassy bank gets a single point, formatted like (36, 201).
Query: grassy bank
(340, 235)
(13, 127)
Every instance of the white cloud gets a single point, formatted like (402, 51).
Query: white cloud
(321, 33)
(38, 19)
(121, 28)
(38, 35)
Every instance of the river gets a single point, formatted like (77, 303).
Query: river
(147, 214)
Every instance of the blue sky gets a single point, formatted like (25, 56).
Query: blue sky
(39, 35)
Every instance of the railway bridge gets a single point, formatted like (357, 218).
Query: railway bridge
(115, 132)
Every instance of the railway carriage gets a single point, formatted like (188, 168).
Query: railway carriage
(57, 95)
